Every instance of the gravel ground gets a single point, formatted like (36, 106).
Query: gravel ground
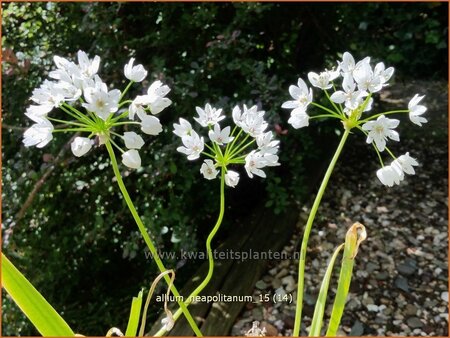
(400, 283)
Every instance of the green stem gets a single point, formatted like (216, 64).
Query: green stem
(147, 239)
(242, 149)
(68, 122)
(325, 115)
(124, 123)
(75, 111)
(309, 223)
(332, 103)
(233, 150)
(385, 113)
(125, 90)
(326, 109)
(70, 129)
(374, 147)
(209, 252)
(229, 146)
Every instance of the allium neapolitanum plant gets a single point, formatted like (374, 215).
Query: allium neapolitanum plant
(87, 107)
(351, 103)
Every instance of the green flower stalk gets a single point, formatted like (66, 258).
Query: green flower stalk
(351, 105)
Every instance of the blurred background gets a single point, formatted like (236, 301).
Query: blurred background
(65, 224)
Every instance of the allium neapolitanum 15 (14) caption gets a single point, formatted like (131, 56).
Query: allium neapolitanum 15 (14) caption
(88, 105)
(351, 103)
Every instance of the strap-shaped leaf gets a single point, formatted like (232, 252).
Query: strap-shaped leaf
(43, 316)
(319, 310)
(135, 314)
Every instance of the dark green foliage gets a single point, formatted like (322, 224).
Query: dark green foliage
(77, 242)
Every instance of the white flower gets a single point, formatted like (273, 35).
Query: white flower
(266, 144)
(81, 145)
(101, 101)
(39, 134)
(182, 129)
(132, 140)
(389, 176)
(193, 146)
(406, 163)
(134, 73)
(131, 159)
(348, 63)
(366, 79)
(156, 97)
(237, 115)
(323, 80)
(254, 123)
(155, 100)
(251, 120)
(380, 130)
(416, 110)
(271, 160)
(231, 178)
(384, 74)
(348, 66)
(299, 119)
(136, 107)
(220, 136)
(208, 170)
(208, 116)
(88, 67)
(350, 95)
(253, 164)
(301, 95)
(37, 113)
(150, 125)
(48, 94)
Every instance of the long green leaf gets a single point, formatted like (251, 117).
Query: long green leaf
(350, 250)
(319, 310)
(43, 316)
(135, 313)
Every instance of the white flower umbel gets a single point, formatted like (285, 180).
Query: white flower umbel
(134, 73)
(230, 145)
(98, 112)
(81, 145)
(350, 89)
